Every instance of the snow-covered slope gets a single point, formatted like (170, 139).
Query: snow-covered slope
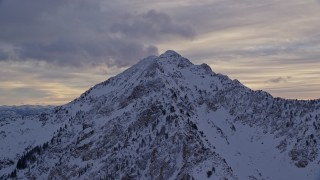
(21, 128)
(165, 118)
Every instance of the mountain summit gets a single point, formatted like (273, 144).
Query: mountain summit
(170, 53)
(166, 118)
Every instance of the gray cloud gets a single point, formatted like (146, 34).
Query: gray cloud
(79, 32)
(151, 25)
(110, 51)
(31, 92)
(279, 79)
(24, 92)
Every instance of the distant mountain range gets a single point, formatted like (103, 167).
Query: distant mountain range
(165, 118)
(23, 110)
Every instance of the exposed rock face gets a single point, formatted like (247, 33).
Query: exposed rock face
(165, 118)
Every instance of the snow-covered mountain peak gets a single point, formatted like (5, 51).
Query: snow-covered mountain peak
(173, 58)
(166, 118)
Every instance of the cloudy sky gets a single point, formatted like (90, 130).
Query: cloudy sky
(52, 51)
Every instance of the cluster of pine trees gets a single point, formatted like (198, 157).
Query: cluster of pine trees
(28, 158)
